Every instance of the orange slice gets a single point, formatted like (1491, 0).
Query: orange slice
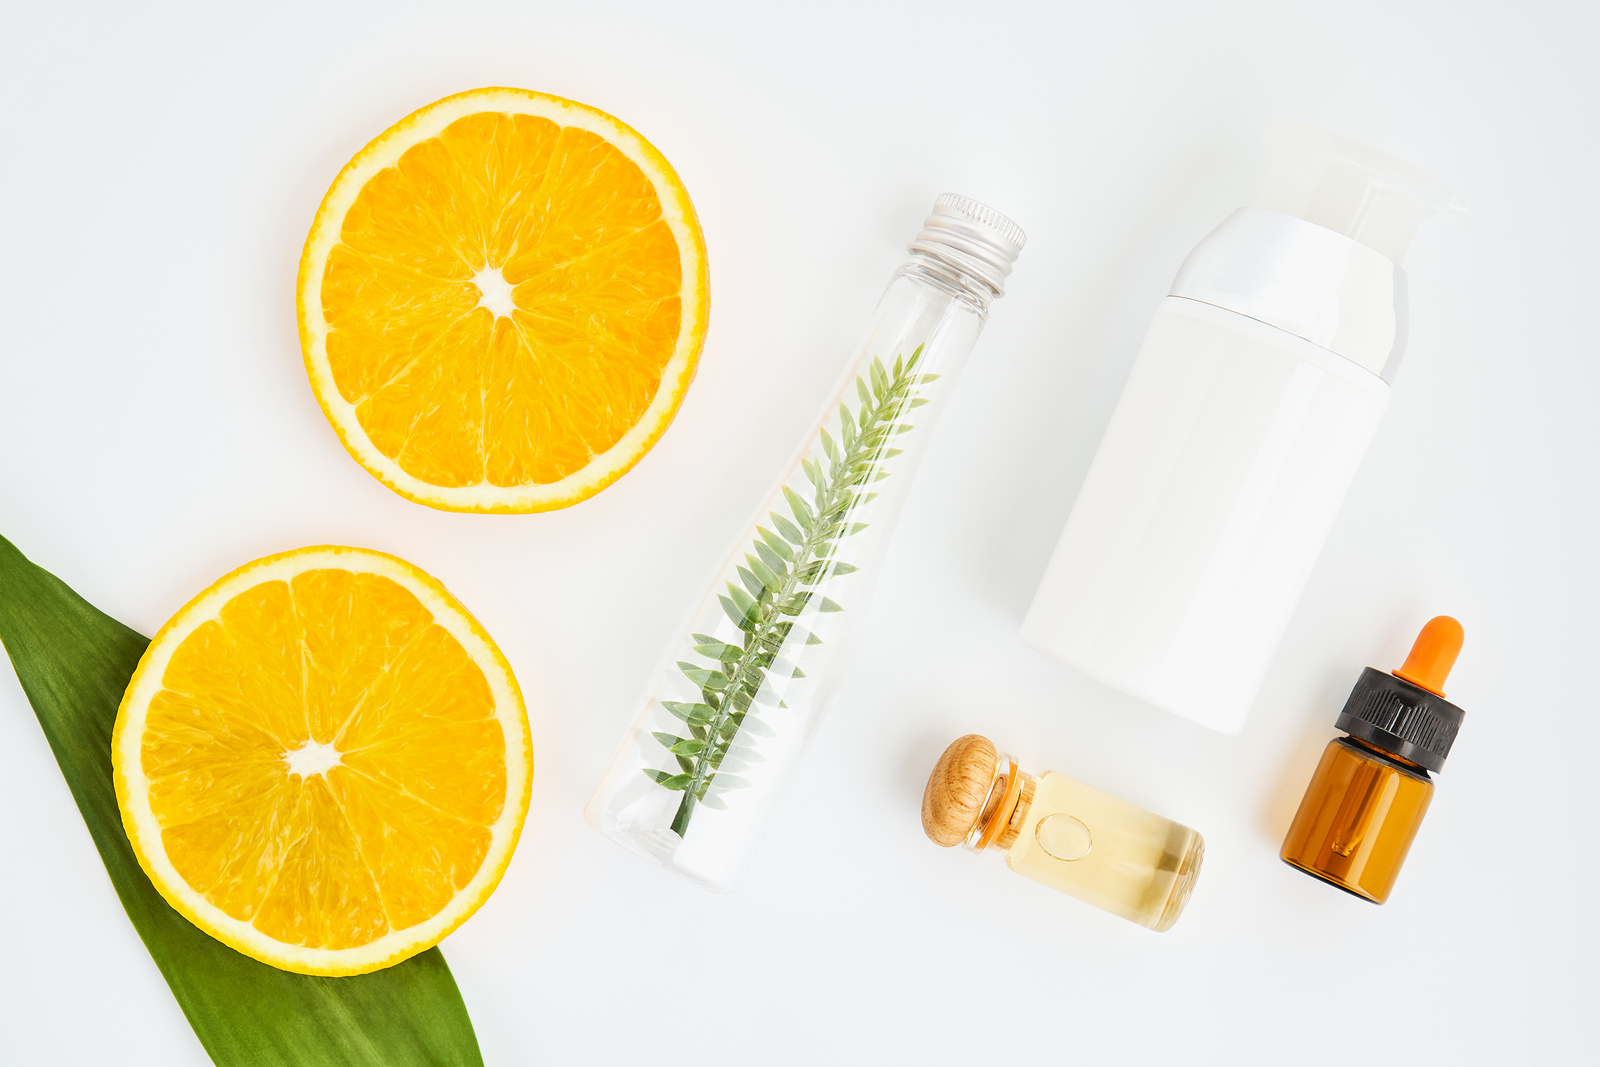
(323, 761)
(502, 302)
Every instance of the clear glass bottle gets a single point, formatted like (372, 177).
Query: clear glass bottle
(695, 779)
(1067, 835)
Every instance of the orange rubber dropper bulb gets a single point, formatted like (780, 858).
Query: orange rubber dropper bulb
(1433, 654)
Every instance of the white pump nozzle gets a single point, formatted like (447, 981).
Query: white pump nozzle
(1346, 187)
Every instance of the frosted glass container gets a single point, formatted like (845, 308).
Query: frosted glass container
(1244, 420)
(697, 776)
(1215, 485)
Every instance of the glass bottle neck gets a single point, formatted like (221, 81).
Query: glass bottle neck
(948, 278)
(1368, 748)
(1004, 809)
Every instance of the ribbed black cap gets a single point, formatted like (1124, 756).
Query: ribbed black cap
(1396, 716)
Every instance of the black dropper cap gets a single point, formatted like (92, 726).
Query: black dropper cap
(1405, 713)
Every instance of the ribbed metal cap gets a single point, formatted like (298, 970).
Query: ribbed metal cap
(973, 238)
(1396, 716)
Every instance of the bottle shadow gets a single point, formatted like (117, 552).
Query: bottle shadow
(1294, 775)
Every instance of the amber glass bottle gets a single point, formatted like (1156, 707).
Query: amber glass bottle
(1067, 835)
(1371, 790)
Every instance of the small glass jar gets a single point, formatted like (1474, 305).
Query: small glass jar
(1371, 789)
(1360, 814)
(1067, 835)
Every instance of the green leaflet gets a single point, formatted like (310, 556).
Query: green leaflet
(74, 663)
(770, 589)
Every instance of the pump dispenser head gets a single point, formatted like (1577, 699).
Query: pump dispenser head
(1344, 186)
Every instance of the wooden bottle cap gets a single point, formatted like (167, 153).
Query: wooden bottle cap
(957, 788)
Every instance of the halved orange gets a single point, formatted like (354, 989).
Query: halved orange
(323, 761)
(502, 302)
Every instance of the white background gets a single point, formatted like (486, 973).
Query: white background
(162, 163)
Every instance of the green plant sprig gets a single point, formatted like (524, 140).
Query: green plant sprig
(778, 582)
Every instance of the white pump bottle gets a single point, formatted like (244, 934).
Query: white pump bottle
(1247, 412)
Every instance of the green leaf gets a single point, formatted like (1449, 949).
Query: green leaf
(753, 725)
(829, 449)
(777, 544)
(718, 651)
(771, 558)
(784, 669)
(740, 619)
(802, 552)
(694, 714)
(751, 582)
(788, 529)
(802, 510)
(829, 532)
(768, 578)
(746, 603)
(715, 681)
(668, 779)
(880, 378)
(795, 604)
(74, 663)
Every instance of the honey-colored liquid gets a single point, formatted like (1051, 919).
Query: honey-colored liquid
(1358, 819)
(1102, 850)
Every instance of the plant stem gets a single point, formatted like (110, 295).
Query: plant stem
(869, 446)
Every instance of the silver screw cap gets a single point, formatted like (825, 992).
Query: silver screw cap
(973, 238)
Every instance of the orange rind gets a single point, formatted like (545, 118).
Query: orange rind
(502, 302)
(323, 761)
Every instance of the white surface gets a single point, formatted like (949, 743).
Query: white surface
(156, 429)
